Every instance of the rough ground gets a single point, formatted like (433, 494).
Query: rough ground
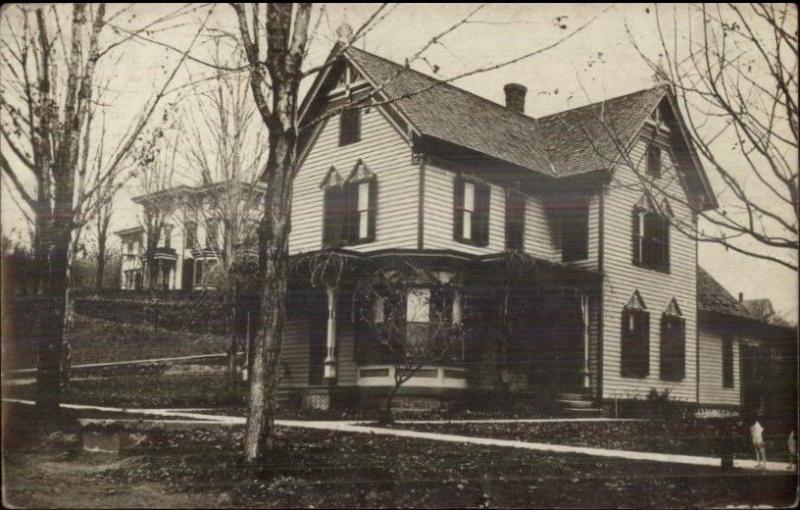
(314, 468)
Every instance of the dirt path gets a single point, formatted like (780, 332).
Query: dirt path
(41, 480)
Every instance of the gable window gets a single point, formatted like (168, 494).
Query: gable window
(673, 344)
(349, 126)
(654, 160)
(727, 362)
(471, 202)
(635, 341)
(650, 240)
(515, 220)
(575, 233)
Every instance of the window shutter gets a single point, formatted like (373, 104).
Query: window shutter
(458, 208)
(680, 349)
(328, 216)
(335, 227)
(480, 226)
(626, 344)
(373, 207)
(665, 246)
(636, 250)
(350, 216)
(644, 343)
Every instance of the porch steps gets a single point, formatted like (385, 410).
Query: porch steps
(578, 404)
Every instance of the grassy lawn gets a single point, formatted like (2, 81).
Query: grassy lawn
(690, 437)
(177, 386)
(96, 341)
(313, 469)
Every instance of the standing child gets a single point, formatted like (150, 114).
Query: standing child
(757, 435)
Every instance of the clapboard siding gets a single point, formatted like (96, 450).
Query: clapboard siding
(540, 235)
(386, 154)
(438, 215)
(622, 278)
(294, 358)
(711, 389)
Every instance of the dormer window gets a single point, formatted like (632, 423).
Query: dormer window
(654, 161)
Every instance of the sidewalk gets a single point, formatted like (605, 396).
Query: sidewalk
(360, 428)
(128, 362)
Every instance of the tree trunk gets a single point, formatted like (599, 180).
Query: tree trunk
(385, 416)
(232, 330)
(259, 434)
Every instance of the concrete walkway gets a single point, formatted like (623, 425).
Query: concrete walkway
(361, 428)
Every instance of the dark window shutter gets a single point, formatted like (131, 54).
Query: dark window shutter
(373, 207)
(350, 216)
(458, 208)
(480, 223)
(680, 350)
(626, 357)
(644, 342)
(334, 217)
(665, 246)
(727, 362)
(636, 244)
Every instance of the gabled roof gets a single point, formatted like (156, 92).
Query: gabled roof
(564, 144)
(712, 297)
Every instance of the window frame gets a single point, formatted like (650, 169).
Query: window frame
(672, 343)
(564, 215)
(479, 213)
(644, 244)
(349, 134)
(635, 365)
(344, 227)
(655, 160)
(515, 220)
(727, 362)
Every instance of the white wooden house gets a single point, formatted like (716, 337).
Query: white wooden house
(430, 173)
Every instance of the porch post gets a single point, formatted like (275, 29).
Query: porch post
(330, 359)
(585, 320)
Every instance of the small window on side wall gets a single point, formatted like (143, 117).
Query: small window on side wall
(727, 361)
(349, 126)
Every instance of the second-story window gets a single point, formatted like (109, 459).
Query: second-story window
(349, 126)
(191, 235)
(471, 202)
(650, 240)
(574, 233)
(168, 236)
(350, 213)
(515, 220)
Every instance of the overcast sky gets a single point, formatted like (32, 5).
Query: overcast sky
(597, 63)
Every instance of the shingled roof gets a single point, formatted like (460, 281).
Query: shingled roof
(567, 143)
(712, 297)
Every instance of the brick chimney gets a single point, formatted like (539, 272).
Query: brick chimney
(515, 96)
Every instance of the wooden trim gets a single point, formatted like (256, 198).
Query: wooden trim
(421, 206)
(601, 304)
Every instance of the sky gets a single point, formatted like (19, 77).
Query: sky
(596, 63)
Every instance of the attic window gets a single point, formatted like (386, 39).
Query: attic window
(349, 126)
(654, 161)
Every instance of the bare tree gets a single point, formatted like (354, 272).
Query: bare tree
(415, 317)
(155, 158)
(735, 76)
(48, 88)
(226, 148)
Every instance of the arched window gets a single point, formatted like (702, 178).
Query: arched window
(673, 343)
(635, 338)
